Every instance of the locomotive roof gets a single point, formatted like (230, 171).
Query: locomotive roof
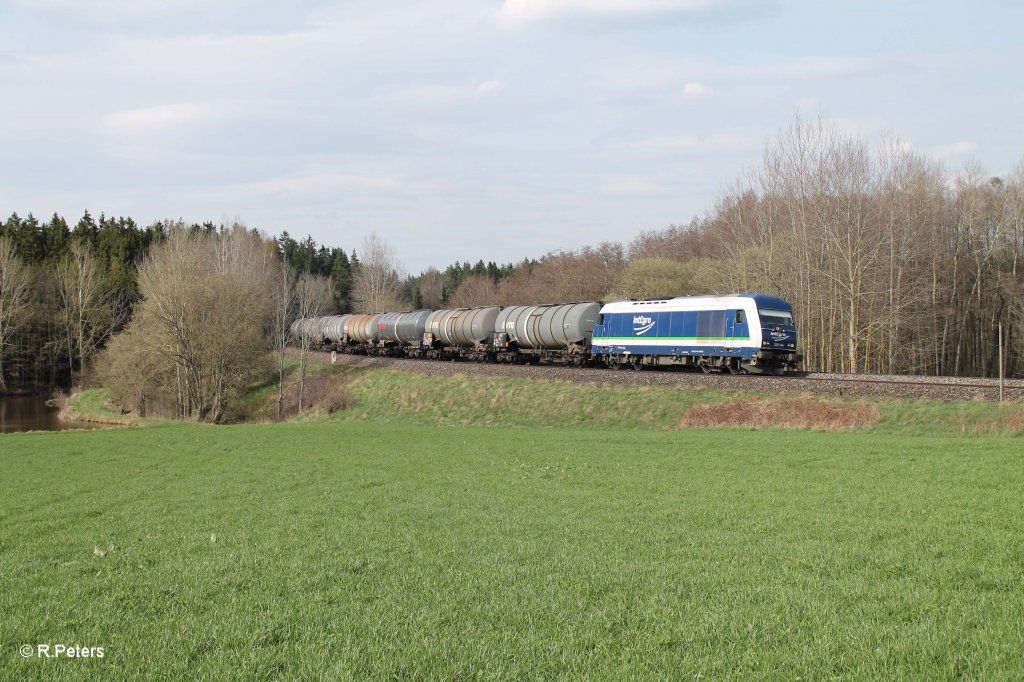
(698, 303)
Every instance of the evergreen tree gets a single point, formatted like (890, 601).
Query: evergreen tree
(341, 280)
(55, 239)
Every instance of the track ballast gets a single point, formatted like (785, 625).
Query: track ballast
(818, 383)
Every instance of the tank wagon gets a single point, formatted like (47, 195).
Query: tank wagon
(399, 331)
(740, 333)
(361, 331)
(334, 329)
(459, 333)
(311, 329)
(553, 333)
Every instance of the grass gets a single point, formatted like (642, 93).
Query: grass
(346, 393)
(92, 405)
(464, 400)
(367, 550)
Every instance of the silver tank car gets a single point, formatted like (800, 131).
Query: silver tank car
(296, 328)
(410, 326)
(405, 329)
(319, 330)
(549, 327)
(463, 327)
(334, 328)
(362, 328)
(386, 327)
(308, 327)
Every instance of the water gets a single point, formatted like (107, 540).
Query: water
(31, 413)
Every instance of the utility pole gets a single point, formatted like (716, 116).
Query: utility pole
(1000, 362)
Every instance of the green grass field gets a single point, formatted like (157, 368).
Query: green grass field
(356, 549)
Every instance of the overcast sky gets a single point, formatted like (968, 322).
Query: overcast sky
(468, 129)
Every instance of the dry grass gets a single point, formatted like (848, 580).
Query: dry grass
(1013, 417)
(326, 392)
(61, 399)
(804, 412)
(1004, 418)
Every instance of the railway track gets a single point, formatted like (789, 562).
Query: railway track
(966, 383)
(873, 386)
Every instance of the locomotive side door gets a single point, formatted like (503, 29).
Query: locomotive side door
(736, 328)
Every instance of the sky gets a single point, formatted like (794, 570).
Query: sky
(474, 129)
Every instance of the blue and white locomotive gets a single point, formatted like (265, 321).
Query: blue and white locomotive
(740, 333)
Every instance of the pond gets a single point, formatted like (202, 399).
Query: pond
(31, 413)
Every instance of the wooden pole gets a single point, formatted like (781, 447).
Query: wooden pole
(1000, 362)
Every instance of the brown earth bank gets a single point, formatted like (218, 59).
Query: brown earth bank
(789, 412)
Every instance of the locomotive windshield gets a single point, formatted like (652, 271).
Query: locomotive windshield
(776, 317)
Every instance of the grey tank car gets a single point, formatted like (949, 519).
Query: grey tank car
(516, 334)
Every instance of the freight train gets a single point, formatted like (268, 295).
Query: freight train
(741, 333)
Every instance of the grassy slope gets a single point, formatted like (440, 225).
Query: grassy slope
(463, 400)
(360, 550)
(472, 400)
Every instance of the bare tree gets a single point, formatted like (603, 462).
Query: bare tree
(656, 277)
(584, 275)
(85, 312)
(15, 288)
(312, 295)
(204, 311)
(475, 290)
(432, 288)
(284, 305)
(377, 281)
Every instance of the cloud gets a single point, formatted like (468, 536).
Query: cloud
(695, 89)
(490, 87)
(173, 17)
(105, 9)
(426, 94)
(166, 117)
(653, 74)
(808, 104)
(631, 186)
(516, 12)
(436, 94)
(948, 151)
(687, 144)
(318, 185)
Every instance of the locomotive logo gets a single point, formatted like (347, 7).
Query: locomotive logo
(642, 324)
(779, 335)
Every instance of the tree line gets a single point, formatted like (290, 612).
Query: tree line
(65, 290)
(893, 263)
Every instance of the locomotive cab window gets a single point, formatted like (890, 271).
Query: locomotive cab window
(782, 317)
(739, 317)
